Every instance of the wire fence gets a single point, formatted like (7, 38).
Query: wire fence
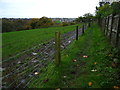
(21, 69)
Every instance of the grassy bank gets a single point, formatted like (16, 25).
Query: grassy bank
(15, 42)
(89, 62)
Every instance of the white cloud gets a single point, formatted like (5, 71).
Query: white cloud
(49, 8)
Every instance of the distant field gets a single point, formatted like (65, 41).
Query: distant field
(15, 42)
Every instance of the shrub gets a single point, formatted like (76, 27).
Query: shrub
(65, 24)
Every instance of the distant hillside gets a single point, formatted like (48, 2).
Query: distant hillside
(63, 19)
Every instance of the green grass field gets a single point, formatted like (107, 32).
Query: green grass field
(95, 71)
(15, 42)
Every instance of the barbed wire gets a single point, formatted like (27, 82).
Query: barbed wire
(41, 52)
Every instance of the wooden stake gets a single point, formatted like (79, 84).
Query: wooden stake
(57, 49)
(83, 29)
(118, 32)
(111, 27)
(76, 32)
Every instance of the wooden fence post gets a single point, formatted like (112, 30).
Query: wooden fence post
(76, 32)
(107, 25)
(104, 25)
(89, 24)
(83, 29)
(111, 27)
(118, 32)
(57, 49)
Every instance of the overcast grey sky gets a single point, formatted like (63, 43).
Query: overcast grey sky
(48, 8)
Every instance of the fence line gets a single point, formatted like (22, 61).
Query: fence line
(111, 28)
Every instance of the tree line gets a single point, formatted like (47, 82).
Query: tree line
(88, 17)
(106, 9)
(12, 24)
